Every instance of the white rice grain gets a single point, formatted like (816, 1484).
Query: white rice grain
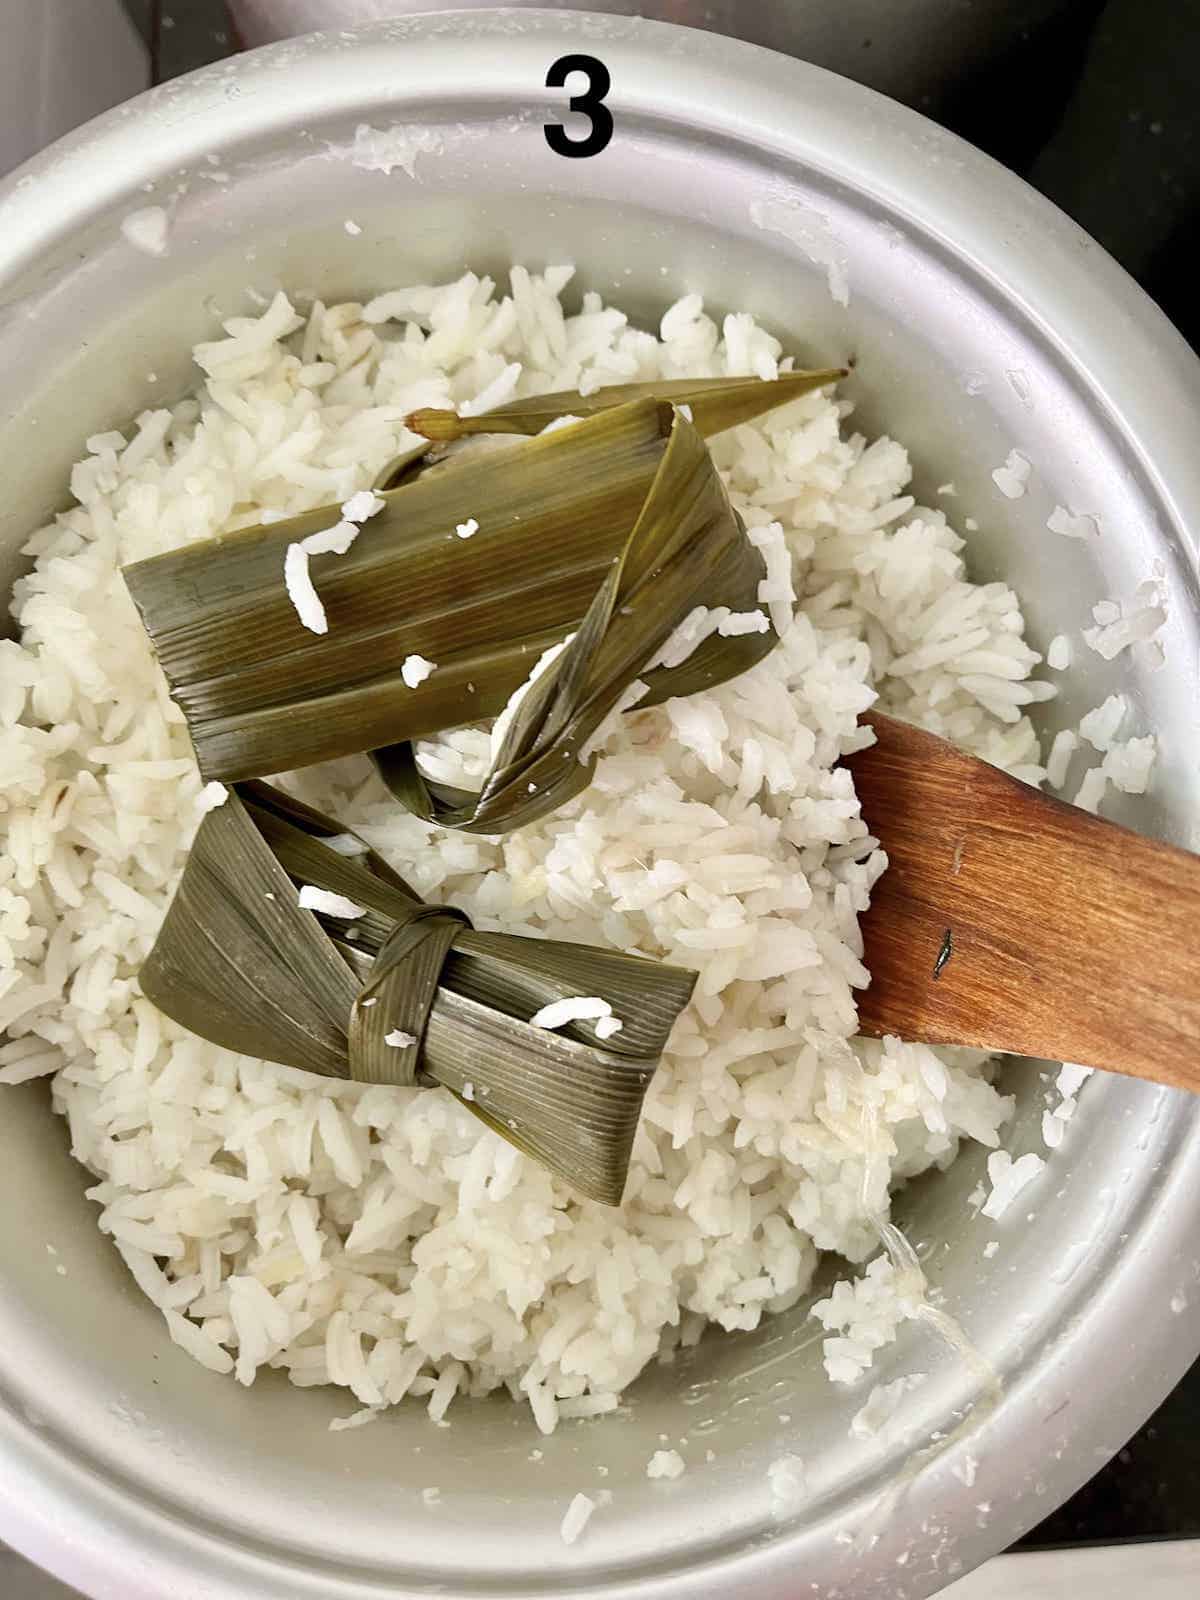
(1058, 653)
(363, 505)
(301, 589)
(375, 1238)
(297, 578)
(1073, 524)
(1100, 727)
(148, 230)
(415, 669)
(579, 1008)
(1065, 744)
(666, 1464)
(357, 1419)
(576, 1518)
(211, 796)
(1012, 479)
(1008, 1179)
(1092, 790)
(328, 903)
(787, 1478)
(197, 1343)
(1128, 763)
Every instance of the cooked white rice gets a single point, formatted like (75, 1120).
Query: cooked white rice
(382, 1239)
(1012, 479)
(1092, 790)
(1101, 726)
(1121, 624)
(666, 1464)
(1058, 762)
(1127, 763)
(576, 1518)
(328, 903)
(1070, 1080)
(578, 1008)
(210, 797)
(1058, 653)
(297, 578)
(882, 1404)
(1072, 524)
(363, 505)
(786, 1477)
(415, 669)
(1008, 1178)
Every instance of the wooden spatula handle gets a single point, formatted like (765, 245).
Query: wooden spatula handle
(1010, 921)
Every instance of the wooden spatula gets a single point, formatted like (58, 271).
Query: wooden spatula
(1010, 921)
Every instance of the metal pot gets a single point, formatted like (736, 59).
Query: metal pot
(981, 320)
(920, 51)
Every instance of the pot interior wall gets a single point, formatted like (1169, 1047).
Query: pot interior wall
(83, 327)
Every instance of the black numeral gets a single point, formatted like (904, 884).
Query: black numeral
(590, 104)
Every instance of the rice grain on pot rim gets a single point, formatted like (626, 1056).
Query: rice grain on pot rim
(382, 1239)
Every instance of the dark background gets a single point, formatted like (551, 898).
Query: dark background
(1099, 107)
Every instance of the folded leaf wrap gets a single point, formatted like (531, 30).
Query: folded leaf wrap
(403, 984)
(612, 530)
(687, 548)
(239, 961)
(715, 404)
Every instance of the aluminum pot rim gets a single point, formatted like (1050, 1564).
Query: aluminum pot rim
(1071, 291)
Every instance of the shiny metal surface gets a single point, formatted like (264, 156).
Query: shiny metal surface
(982, 320)
(916, 50)
(62, 64)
